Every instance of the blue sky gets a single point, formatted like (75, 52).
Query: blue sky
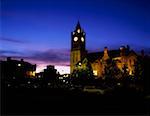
(37, 30)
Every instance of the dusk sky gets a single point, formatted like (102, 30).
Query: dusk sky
(40, 30)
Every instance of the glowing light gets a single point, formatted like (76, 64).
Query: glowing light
(35, 86)
(60, 77)
(121, 48)
(80, 64)
(118, 83)
(130, 72)
(14, 77)
(8, 85)
(75, 38)
(95, 72)
(19, 64)
(82, 39)
(39, 76)
(29, 82)
(78, 30)
(65, 75)
(31, 73)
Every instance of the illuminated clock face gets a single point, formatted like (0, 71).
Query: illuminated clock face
(82, 39)
(75, 38)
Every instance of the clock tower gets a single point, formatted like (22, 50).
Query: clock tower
(78, 50)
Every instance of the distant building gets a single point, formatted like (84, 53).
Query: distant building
(79, 55)
(50, 73)
(15, 69)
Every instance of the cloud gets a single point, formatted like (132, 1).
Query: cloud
(8, 52)
(50, 57)
(12, 40)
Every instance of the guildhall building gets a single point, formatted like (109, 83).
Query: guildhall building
(97, 60)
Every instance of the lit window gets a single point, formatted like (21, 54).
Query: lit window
(33, 73)
(19, 64)
(95, 72)
(39, 76)
(29, 82)
(35, 86)
(118, 84)
(14, 77)
(130, 73)
(60, 77)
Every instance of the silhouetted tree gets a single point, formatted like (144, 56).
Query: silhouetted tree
(112, 72)
(147, 74)
(139, 69)
(83, 74)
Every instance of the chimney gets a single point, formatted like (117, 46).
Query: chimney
(105, 50)
(122, 51)
(128, 48)
(8, 58)
(105, 53)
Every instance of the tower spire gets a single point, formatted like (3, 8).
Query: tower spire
(78, 25)
(77, 46)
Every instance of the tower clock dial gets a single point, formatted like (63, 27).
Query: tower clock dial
(82, 39)
(75, 38)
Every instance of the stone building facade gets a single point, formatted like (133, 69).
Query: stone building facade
(122, 56)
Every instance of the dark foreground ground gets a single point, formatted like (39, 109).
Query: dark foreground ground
(48, 101)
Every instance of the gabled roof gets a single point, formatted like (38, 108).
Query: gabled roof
(111, 53)
(132, 53)
(114, 53)
(94, 56)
